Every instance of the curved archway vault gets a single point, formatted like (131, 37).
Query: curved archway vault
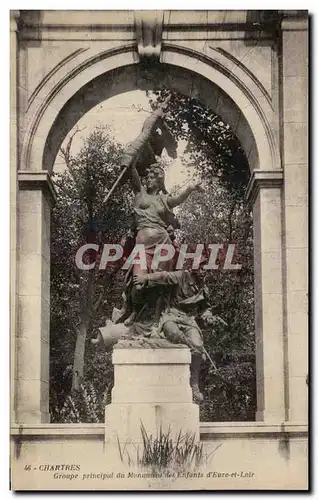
(93, 81)
(134, 77)
(202, 58)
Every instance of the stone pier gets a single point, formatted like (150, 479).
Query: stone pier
(151, 388)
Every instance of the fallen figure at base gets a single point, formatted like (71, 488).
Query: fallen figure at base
(188, 308)
(178, 323)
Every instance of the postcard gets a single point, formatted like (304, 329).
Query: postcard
(159, 250)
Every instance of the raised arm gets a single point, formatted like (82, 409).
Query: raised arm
(136, 182)
(133, 150)
(174, 201)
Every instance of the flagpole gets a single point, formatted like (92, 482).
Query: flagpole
(114, 186)
(124, 170)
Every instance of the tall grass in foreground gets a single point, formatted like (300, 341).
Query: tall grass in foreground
(162, 452)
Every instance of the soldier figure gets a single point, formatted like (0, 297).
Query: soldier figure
(187, 307)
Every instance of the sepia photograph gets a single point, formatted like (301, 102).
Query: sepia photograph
(159, 250)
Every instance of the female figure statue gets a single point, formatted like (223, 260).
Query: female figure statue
(154, 221)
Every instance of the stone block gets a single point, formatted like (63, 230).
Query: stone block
(153, 376)
(296, 224)
(30, 266)
(30, 234)
(272, 314)
(297, 301)
(271, 272)
(295, 184)
(270, 197)
(272, 348)
(44, 397)
(146, 356)
(221, 16)
(151, 388)
(179, 16)
(295, 53)
(32, 359)
(31, 416)
(271, 231)
(167, 374)
(298, 399)
(46, 230)
(274, 402)
(33, 317)
(258, 60)
(13, 222)
(125, 420)
(29, 395)
(45, 320)
(297, 322)
(30, 201)
(296, 142)
(295, 99)
(33, 401)
(260, 379)
(297, 268)
(132, 393)
(298, 354)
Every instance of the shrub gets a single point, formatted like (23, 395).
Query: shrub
(83, 405)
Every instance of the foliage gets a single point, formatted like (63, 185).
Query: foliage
(220, 219)
(213, 148)
(220, 216)
(83, 405)
(81, 301)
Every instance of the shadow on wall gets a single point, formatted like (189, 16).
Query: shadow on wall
(32, 18)
(263, 25)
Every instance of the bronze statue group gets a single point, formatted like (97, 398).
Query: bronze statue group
(162, 305)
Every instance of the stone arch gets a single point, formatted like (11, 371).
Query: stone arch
(239, 102)
(233, 94)
(231, 49)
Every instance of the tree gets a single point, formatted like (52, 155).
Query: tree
(220, 216)
(215, 218)
(80, 298)
(213, 148)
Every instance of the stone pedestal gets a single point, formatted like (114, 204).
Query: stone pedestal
(151, 388)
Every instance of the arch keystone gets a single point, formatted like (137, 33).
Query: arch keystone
(148, 25)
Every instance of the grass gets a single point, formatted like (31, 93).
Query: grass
(162, 453)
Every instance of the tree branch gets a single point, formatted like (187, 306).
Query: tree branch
(232, 208)
(65, 153)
